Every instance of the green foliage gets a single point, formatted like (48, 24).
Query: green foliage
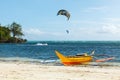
(14, 29)
(4, 34)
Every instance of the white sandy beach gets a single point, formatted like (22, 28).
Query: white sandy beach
(28, 71)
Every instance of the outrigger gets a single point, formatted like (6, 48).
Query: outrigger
(80, 59)
(74, 60)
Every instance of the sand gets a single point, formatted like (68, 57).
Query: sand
(28, 71)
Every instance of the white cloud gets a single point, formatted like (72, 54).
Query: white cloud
(39, 34)
(34, 31)
(106, 32)
(111, 29)
(92, 9)
(112, 19)
(84, 22)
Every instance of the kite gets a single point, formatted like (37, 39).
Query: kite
(64, 12)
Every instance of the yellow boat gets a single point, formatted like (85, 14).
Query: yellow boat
(74, 60)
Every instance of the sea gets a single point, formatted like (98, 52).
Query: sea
(43, 52)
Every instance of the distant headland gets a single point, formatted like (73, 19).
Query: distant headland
(11, 33)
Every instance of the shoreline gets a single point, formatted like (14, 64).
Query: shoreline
(55, 62)
(30, 71)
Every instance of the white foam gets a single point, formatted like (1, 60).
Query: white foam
(42, 44)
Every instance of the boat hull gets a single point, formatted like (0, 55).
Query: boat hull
(74, 60)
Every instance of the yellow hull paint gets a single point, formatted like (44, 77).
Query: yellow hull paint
(74, 60)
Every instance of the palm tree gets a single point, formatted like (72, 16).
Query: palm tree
(16, 30)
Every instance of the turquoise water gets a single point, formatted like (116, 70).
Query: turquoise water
(43, 51)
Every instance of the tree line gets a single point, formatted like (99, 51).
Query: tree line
(11, 33)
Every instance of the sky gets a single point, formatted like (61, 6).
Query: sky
(90, 20)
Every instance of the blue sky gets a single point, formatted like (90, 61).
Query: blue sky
(90, 19)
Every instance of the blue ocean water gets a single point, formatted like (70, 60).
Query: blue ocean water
(43, 51)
